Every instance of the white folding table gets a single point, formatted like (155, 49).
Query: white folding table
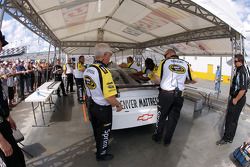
(42, 95)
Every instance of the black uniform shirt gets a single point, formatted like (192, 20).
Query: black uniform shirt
(58, 70)
(4, 107)
(239, 81)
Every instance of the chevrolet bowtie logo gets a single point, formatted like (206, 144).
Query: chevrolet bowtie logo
(145, 117)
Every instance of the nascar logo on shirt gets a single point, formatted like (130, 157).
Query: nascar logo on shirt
(177, 68)
(89, 82)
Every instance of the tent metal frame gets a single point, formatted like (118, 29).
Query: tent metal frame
(23, 12)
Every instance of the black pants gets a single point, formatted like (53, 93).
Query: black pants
(80, 88)
(59, 78)
(17, 158)
(27, 83)
(11, 93)
(169, 108)
(69, 82)
(22, 86)
(101, 120)
(233, 114)
(32, 81)
(39, 79)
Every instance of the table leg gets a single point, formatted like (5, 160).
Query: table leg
(41, 105)
(50, 99)
(34, 113)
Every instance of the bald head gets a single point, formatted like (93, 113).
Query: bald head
(169, 53)
(81, 59)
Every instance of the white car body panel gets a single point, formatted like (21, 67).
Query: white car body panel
(139, 102)
(139, 108)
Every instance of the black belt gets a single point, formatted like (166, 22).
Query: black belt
(175, 92)
(170, 91)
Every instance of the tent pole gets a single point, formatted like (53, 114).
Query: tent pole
(122, 55)
(2, 13)
(54, 56)
(219, 77)
(60, 53)
(47, 68)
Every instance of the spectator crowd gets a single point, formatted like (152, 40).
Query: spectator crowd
(20, 78)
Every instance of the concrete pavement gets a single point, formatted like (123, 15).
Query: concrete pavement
(68, 141)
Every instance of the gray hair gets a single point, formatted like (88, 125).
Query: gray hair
(172, 51)
(101, 49)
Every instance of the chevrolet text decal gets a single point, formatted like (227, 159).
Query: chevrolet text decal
(145, 117)
(138, 103)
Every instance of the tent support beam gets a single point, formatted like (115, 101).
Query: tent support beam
(215, 32)
(93, 43)
(194, 9)
(111, 32)
(81, 33)
(47, 71)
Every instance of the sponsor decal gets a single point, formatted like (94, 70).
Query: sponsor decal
(128, 104)
(103, 69)
(150, 22)
(105, 136)
(74, 14)
(109, 83)
(90, 71)
(145, 117)
(139, 103)
(158, 117)
(110, 86)
(89, 82)
(177, 68)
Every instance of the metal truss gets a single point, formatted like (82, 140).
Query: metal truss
(237, 44)
(23, 12)
(93, 43)
(13, 51)
(193, 8)
(137, 52)
(201, 34)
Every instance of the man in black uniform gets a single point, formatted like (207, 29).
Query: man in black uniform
(57, 71)
(173, 73)
(101, 92)
(237, 100)
(10, 153)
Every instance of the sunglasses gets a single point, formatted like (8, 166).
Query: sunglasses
(236, 61)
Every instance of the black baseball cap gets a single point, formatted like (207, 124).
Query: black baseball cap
(2, 38)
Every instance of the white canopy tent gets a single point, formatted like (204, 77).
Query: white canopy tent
(191, 27)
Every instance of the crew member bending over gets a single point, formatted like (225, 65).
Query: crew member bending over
(172, 74)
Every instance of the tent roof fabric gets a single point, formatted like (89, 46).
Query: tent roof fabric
(136, 23)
